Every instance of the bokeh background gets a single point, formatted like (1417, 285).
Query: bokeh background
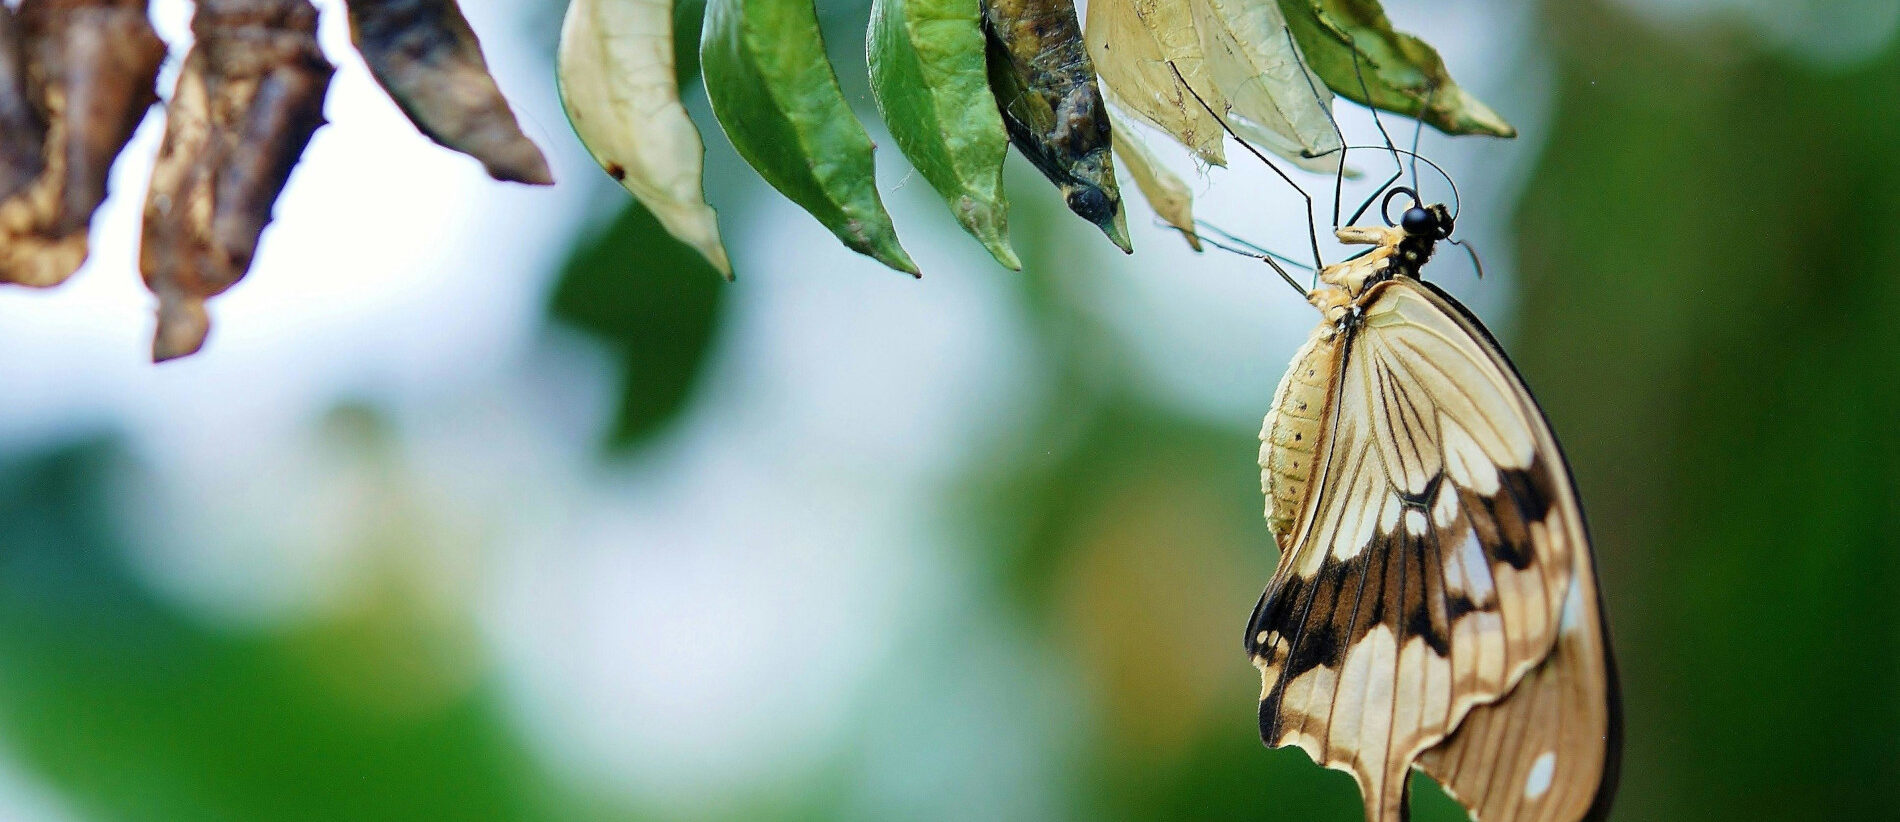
(488, 503)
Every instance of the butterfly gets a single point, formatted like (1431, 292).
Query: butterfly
(1435, 604)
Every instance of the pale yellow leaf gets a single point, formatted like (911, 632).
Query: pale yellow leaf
(1165, 192)
(1138, 62)
(618, 85)
(1272, 96)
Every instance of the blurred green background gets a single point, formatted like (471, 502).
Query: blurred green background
(536, 520)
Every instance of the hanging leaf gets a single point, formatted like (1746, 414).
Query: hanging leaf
(779, 102)
(617, 83)
(1044, 84)
(1274, 101)
(248, 99)
(90, 69)
(1144, 76)
(423, 53)
(930, 83)
(1166, 193)
(1401, 73)
(22, 131)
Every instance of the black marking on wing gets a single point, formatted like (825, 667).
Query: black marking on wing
(1398, 579)
(1524, 497)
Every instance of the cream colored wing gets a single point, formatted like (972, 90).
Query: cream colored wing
(1428, 568)
(1548, 751)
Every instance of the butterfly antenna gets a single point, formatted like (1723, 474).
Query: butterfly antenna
(1398, 166)
(1312, 225)
(1420, 158)
(1244, 249)
(1418, 130)
(1471, 250)
(1339, 175)
(1360, 74)
(1256, 248)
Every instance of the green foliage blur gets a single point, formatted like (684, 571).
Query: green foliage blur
(1708, 307)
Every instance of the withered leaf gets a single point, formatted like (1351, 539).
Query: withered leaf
(90, 66)
(1045, 87)
(617, 82)
(22, 130)
(1165, 191)
(1150, 78)
(425, 55)
(248, 99)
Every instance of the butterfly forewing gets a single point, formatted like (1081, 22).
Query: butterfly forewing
(1427, 564)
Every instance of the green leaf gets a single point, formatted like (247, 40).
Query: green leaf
(617, 84)
(1346, 40)
(779, 102)
(132, 709)
(654, 303)
(928, 77)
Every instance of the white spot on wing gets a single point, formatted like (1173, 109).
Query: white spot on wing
(1466, 460)
(1538, 782)
(1445, 509)
(1415, 522)
(1477, 581)
(1572, 619)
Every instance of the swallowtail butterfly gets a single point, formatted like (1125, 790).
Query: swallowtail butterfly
(1435, 604)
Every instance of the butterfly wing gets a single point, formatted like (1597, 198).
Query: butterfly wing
(1549, 751)
(1429, 568)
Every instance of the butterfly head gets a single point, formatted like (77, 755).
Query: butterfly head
(1429, 222)
(1419, 221)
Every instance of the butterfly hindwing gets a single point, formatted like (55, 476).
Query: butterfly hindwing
(1429, 567)
(1549, 751)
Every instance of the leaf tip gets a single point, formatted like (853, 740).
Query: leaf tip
(893, 255)
(1116, 227)
(1465, 114)
(986, 221)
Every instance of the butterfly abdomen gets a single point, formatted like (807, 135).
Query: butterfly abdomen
(1292, 429)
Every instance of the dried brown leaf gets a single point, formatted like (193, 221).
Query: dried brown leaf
(22, 130)
(428, 59)
(90, 65)
(248, 99)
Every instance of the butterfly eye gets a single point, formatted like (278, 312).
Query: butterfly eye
(1418, 222)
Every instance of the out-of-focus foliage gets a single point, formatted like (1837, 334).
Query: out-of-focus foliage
(139, 712)
(654, 303)
(1711, 285)
(775, 94)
